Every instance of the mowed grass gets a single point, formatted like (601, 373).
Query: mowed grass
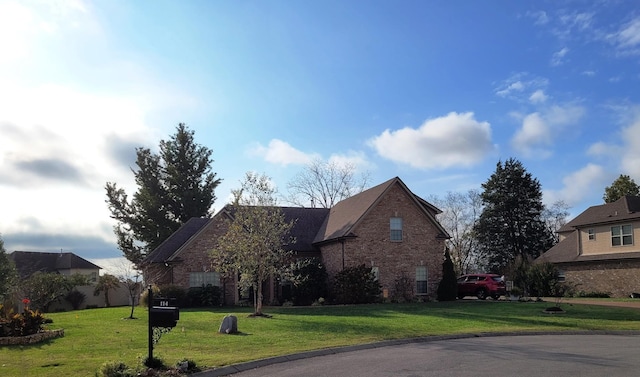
(95, 336)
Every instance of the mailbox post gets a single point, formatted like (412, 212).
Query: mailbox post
(162, 313)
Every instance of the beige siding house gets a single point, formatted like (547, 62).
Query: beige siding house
(386, 227)
(599, 250)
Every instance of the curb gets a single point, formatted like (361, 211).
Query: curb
(241, 367)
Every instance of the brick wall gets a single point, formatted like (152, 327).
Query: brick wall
(372, 247)
(618, 278)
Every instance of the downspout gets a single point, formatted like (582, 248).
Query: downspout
(342, 242)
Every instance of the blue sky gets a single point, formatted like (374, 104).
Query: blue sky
(435, 92)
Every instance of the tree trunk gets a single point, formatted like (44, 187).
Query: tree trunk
(259, 300)
(106, 298)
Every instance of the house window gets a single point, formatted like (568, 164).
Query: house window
(621, 235)
(561, 275)
(396, 228)
(376, 273)
(592, 235)
(421, 280)
(202, 279)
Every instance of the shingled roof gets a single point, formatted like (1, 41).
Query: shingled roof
(312, 225)
(174, 242)
(623, 209)
(566, 251)
(30, 262)
(346, 214)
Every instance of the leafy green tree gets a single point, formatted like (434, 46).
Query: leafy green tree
(8, 273)
(253, 246)
(623, 185)
(448, 287)
(173, 186)
(43, 289)
(106, 283)
(511, 223)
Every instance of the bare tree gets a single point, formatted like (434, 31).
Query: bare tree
(555, 216)
(129, 278)
(324, 184)
(460, 212)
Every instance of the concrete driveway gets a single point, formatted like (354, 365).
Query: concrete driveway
(604, 354)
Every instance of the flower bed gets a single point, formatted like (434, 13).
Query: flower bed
(31, 339)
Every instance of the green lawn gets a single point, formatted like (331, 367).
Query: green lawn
(95, 336)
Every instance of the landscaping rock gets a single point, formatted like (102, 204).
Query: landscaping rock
(229, 325)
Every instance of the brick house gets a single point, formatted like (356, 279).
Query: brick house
(386, 227)
(597, 251)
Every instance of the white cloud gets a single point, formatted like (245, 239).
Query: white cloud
(558, 57)
(456, 139)
(357, 160)
(540, 129)
(539, 17)
(603, 149)
(574, 185)
(629, 35)
(519, 83)
(631, 139)
(281, 153)
(538, 97)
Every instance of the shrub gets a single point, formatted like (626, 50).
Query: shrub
(154, 362)
(356, 285)
(204, 296)
(115, 369)
(594, 294)
(174, 291)
(20, 324)
(75, 298)
(403, 288)
(144, 297)
(542, 279)
(309, 277)
(187, 366)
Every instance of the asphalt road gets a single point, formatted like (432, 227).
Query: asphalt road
(521, 356)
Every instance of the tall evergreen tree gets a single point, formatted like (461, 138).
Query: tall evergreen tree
(448, 287)
(510, 224)
(623, 185)
(173, 186)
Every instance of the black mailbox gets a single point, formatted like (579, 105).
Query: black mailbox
(164, 312)
(164, 316)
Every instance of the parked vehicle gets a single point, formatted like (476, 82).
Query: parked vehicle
(481, 286)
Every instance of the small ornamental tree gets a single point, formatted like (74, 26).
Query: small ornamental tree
(448, 287)
(106, 283)
(254, 244)
(356, 285)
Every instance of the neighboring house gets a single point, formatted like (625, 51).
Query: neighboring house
(29, 262)
(599, 250)
(386, 227)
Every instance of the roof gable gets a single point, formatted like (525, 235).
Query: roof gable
(30, 262)
(624, 209)
(346, 214)
(174, 242)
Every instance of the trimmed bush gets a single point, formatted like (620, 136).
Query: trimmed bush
(205, 296)
(310, 281)
(356, 285)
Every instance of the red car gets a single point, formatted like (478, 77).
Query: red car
(481, 286)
